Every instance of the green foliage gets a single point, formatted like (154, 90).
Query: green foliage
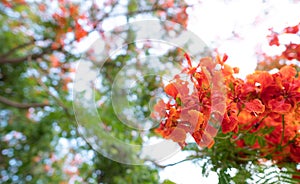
(236, 165)
(39, 142)
(119, 173)
(168, 182)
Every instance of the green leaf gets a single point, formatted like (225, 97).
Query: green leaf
(261, 141)
(224, 178)
(267, 130)
(168, 182)
(178, 101)
(132, 6)
(250, 139)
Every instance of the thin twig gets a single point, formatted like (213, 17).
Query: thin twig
(172, 164)
(58, 101)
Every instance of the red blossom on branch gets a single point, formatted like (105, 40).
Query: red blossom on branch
(261, 101)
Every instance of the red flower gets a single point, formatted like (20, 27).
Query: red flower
(295, 151)
(255, 106)
(171, 90)
(293, 29)
(279, 105)
(288, 73)
(273, 38)
(229, 124)
(159, 110)
(292, 51)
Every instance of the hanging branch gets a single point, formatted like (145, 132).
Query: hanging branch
(172, 164)
(10, 52)
(25, 58)
(21, 105)
(56, 99)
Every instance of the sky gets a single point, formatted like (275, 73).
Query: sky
(239, 29)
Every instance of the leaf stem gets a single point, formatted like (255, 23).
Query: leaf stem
(282, 134)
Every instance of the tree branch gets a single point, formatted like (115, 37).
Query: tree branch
(128, 14)
(57, 99)
(21, 105)
(11, 51)
(21, 59)
(172, 164)
(4, 60)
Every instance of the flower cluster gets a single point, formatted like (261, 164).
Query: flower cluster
(267, 106)
(195, 106)
(259, 113)
(290, 53)
(68, 19)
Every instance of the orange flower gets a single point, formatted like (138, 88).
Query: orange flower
(159, 110)
(255, 106)
(177, 135)
(171, 90)
(196, 119)
(79, 31)
(262, 101)
(279, 105)
(288, 72)
(229, 124)
(203, 139)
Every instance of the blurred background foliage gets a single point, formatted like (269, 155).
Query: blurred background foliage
(39, 142)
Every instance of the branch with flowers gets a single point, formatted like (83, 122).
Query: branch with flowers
(258, 117)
